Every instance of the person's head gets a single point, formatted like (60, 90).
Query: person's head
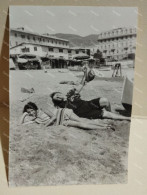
(91, 63)
(57, 97)
(31, 109)
(85, 63)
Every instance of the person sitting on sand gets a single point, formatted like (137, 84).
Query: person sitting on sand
(66, 117)
(89, 73)
(88, 76)
(98, 108)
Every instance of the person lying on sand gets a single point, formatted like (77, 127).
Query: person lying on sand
(66, 117)
(98, 108)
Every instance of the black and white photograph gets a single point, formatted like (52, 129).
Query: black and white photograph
(71, 77)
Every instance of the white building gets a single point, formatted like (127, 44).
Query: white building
(22, 41)
(117, 43)
(20, 35)
(40, 50)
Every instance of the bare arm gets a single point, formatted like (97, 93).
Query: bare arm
(28, 122)
(75, 93)
(51, 121)
(23, 117)
(49, 113)
(83, 81)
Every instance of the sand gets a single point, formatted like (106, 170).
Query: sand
(64, 155)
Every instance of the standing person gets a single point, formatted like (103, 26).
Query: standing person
(117, 70)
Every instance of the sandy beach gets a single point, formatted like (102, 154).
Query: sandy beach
(65, 155)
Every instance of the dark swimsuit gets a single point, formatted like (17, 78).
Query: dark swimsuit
(85, 109)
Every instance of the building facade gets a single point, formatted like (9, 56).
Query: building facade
(22, 41)
(117, 43)
(20, 35)
(39, 50)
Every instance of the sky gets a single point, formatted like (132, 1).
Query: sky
(80, 20)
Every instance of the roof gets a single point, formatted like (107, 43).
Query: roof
(104, 35)
(40, 44)
(37, 34)
(120, 28)
(23, 43)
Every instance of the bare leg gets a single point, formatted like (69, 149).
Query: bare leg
(110, 115)
(113, 71)
(84, 125)
(74, 117)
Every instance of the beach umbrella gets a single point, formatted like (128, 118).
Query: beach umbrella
(33, 60)
(45, 58)
(21, 60)
(53, 58)
(81, 56)
(27, 55)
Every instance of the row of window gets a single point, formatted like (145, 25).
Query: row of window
(117, 39)
(105, 52)
(115, 46)
(118, 32)
(25, 50)
(49, 49)
(61, 50)
(41, 39)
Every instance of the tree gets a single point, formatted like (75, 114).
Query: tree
(98, 56)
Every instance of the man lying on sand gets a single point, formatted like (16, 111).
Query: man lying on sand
(98, 108)
(93, 109)
(66, 117)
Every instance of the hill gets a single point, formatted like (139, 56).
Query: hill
(79, 41)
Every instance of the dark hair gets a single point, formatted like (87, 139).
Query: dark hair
(52, 94)
(55, 102)
(30, 105)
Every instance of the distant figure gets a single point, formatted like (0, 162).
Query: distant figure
(89, 74)
(117, 70)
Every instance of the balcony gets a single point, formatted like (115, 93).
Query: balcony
(115, 35)
(45, 43)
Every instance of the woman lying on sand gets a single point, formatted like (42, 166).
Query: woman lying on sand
(66, 117)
